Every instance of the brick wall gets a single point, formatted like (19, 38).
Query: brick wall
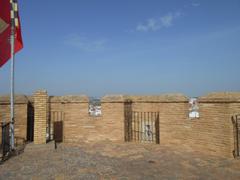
(218, 108)
(211, 133)
(21, 118)
(79, 126)
(173, 113)
(113, 117)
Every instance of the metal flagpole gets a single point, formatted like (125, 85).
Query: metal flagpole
(12, 77)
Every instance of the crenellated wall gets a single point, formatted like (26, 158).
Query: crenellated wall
(21, 114)
(211, 133)
(215, 125)
(80, 126)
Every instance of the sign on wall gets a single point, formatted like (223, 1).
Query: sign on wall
(193, 110)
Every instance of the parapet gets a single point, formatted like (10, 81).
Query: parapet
(149, 99)
(221, 97)
(158, 98)
(69, 99)
(18, 99)
(112, 99)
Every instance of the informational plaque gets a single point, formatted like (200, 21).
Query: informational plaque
(193, 110)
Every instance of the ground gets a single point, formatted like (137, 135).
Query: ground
(107, 160)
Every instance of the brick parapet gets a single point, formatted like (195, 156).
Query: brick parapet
(20, 114)
(18, 99)
(220, 97)
(212, 133)
(165, 98)
(69, 99)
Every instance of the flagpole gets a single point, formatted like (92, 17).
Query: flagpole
(12, 84)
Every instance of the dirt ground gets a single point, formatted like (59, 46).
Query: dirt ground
(108, 160)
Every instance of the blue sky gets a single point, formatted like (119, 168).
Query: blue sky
(127, 47)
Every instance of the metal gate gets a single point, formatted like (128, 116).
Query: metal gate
(58, 131)
(142, 126)
(5, 141)
(54, 117)
(236, 132)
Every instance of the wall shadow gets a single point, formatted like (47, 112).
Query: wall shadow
(30, 122)
(127, 120)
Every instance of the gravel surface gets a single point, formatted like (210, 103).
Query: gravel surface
(106, 160)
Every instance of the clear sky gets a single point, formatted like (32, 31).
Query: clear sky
(98, 47)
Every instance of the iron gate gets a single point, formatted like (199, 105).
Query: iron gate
(5, 141)
(236, 131)
(142, 126)
(58, 131)
(54, 116)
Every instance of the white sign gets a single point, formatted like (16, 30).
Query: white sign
(193, 110)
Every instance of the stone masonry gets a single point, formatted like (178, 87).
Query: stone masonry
(40, 116)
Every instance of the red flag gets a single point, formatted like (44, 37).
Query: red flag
(8, 7)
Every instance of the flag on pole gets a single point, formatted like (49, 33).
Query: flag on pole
(8, 14)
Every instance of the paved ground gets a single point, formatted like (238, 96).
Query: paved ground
(116, 161)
